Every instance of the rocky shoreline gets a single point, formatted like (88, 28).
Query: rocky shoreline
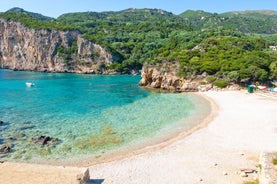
(165, 77)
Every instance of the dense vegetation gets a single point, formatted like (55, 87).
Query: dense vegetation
(236, 58)
(262, 22)
(231, 46)
(134, 35)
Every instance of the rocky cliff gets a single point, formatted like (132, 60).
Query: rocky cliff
(165, 76)
(22, 48)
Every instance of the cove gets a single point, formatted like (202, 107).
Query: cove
(87, 115)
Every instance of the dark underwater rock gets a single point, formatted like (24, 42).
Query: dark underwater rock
(43, 140)
(46, 140)
(27, 127)
(5, 149)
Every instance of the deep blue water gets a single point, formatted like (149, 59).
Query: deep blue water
(88, 114)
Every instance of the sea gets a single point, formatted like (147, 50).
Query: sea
(64, 117)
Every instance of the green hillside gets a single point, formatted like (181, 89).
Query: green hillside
(34, 15)
(135, 35)
(260, 21)
(35, 23)
(232, 46)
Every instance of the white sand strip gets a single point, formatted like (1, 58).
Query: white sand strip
(246, 124)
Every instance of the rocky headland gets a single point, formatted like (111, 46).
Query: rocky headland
(165, 76)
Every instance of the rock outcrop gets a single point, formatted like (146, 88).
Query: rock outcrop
(165, 77)
(5, 149)
(23, 48)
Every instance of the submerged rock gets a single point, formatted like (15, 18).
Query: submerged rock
(45, 140)
(27, 127)
(5, 149)
(2, 128)
(3, 125)
(10, 139)
(54, 141)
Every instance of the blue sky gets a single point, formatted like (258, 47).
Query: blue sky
(54, 8)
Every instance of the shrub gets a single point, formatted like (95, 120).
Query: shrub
(211, 79)
(233, 76)
(182, 74)
(274, 160)
(221, 83)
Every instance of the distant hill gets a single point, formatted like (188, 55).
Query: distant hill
(254, 21)
(251, 12)
(34, 15)
(249, 21)
(199, 19)
(195, 14)
(125, 19)
(259, 21)
(129, 15)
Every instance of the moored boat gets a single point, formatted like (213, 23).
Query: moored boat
(29, 84)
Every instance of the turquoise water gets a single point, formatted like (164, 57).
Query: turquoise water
(87, 114)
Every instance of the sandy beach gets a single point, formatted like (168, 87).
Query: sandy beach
(244, 125)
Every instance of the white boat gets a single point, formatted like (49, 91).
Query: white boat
(29, 84)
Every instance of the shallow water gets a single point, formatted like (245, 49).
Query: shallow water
(88, 114)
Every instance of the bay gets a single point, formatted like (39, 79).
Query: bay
(86, 115)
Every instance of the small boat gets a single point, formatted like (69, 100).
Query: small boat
(29, 84)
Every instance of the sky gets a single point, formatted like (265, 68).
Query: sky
(55, 8)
